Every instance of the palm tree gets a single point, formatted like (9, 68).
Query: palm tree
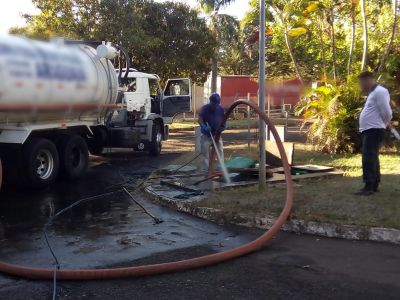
(283, 12)
(222, 26)
(353, 7)
(364, 61)
(331, 21)
(392, 36)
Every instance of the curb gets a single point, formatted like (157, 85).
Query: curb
(189, 129)
(349, 232)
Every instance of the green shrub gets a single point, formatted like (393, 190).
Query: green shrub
(333, 111)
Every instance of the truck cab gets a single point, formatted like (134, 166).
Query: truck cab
(142, 95)
(144, 113)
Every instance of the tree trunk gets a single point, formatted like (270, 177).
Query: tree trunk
(391, 40)
(365, 36)
(332, 24)
(214, 74)
(289, 46)
(321, 33)
(353, 38)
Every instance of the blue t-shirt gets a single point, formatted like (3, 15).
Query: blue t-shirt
(212, 117)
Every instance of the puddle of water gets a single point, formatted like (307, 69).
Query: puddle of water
(102, 232)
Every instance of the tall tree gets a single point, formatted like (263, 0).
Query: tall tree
(320, 22)
(331, 21)
(392, 36)
(236, 57)
(67, 18)
(164, 38)
(283, 12)
(364, 60)
(216, 21)
(353, 7)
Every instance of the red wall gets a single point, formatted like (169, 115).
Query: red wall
(238, 87)
(285, 92)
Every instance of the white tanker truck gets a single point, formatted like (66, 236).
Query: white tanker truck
(59, 101)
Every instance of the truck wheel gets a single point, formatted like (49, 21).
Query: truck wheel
(96, 144)
(74, 156)
(156, 140)
(1, 174)
(41, 163)
(96, 150)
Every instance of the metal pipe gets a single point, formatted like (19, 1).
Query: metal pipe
(248, 123)
(261, 99)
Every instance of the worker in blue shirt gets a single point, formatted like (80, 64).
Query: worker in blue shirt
(211, 120)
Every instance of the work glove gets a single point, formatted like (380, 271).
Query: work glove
(206, 128)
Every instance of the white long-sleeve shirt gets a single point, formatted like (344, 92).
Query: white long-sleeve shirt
(377, 112)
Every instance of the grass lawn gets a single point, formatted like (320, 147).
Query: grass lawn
(325, 199)
(235, 124)
(183, 125)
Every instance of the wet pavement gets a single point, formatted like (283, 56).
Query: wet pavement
(103, 232)
(114, 231)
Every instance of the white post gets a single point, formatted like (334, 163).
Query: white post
(261, 98)
(248, 122)
(194, 101)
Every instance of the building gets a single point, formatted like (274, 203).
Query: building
(234, 87)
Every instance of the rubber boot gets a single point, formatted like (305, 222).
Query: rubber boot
(367, 190)
(376, 187)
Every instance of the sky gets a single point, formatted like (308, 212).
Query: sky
(10, 14)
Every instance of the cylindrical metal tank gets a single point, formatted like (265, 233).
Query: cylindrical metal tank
(44, 82)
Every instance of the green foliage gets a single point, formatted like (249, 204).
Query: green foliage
(210, 6)
(333, 111)
(314, 41)
(164, 38)
(175, 42)
(311, 25)
(234, 56)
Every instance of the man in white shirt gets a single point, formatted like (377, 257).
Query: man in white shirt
(374, 119)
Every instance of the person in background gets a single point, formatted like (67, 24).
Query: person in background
(374, 120)
(211, 119)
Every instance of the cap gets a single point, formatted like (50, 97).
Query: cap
(215, 98)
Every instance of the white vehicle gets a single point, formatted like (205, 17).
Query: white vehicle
(58, 102)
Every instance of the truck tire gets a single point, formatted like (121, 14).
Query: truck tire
(74, 156)
(96, 144)
(155, 145)
(1, 173)
(40, 163)
(96, 150)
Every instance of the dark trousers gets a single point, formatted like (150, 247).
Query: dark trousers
(371, 143)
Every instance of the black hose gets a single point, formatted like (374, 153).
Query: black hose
(49, 223)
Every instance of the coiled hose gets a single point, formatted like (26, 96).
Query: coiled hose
(155, 269)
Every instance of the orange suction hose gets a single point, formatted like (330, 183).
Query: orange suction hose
(146, 270)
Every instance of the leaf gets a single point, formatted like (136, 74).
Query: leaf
(312, 7)
(295, 32)
(269, 32)
(302, 22)
(324, 90)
